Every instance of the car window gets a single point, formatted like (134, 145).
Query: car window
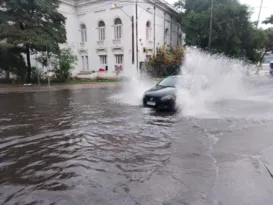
(268, 59)
(168, 82)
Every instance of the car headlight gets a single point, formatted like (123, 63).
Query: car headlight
(168, 97)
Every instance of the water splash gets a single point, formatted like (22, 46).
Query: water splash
(211, 86)
(132, 91)
(218, 86)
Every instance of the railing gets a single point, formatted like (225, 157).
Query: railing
(149, 43)
(82, 46)
(101, 43)
(117, 41)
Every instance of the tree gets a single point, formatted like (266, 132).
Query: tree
(11, 61)
(268, 41)
(269, 20)
(232, 34)
(32, 25)
(64, 64)
(166, 61)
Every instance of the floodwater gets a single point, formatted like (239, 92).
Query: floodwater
(77, 146)
(96, 145)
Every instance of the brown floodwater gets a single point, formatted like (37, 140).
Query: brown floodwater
(77, 146)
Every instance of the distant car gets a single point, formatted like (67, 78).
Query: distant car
(163, 95)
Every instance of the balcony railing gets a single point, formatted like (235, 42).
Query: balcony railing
(100, 43)
(82, 46)
(117, 41)
(149, 43)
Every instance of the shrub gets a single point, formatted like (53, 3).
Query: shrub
(64, 64)
(165, 61)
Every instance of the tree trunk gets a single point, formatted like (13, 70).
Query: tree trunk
(260, 62)
(7, 74)
(28, 65)
(262, 57)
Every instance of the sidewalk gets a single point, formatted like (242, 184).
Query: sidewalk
(44, 87)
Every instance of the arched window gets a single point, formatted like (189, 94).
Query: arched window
(118, 28)
(83, 33)
(148, 30)
(101, 25)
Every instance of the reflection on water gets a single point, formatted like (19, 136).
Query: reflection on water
(76, 147)
(80, 146)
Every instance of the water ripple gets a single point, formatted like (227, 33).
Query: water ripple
(61, 141)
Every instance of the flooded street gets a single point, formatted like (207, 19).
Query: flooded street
(96, 144)
(78, 146)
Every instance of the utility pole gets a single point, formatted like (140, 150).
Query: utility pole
(210, 27)
(259, 14)
(133, 40)
(137, 36)
(154, 27)
(261, 5)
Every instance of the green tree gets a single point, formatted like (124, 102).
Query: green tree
(166, 61)
(64, 63)
(32, 25)
(11, 61)
(269, 20)
(267, 45)
(232, 34)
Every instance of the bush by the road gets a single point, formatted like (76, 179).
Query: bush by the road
(166, 61)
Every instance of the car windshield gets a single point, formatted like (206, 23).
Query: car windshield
(168, 82)
(268, 59)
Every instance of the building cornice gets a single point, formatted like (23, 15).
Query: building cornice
(165, 6)
(68, 2)
(158, 3)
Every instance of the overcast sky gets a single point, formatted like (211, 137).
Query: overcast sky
(267, 8)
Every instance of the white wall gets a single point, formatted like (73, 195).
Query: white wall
(90, 13)
(160, 20)
(72, 31)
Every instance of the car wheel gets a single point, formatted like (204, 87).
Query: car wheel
(173, 107)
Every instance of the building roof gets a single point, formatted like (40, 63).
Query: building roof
(163, 4)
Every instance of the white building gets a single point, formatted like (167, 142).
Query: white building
(106, 34)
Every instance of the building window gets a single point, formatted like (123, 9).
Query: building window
(148, 30)
(166, 33)
(101, 31)
(118, 28)
(86, 63)
(103, 59)
(83, 63)
(119, 59)
(83, 33)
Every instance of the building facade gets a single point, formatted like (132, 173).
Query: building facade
(119, 34)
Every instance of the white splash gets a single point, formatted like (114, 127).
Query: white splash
(217, 86)
(211, 86)
(132, 91)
